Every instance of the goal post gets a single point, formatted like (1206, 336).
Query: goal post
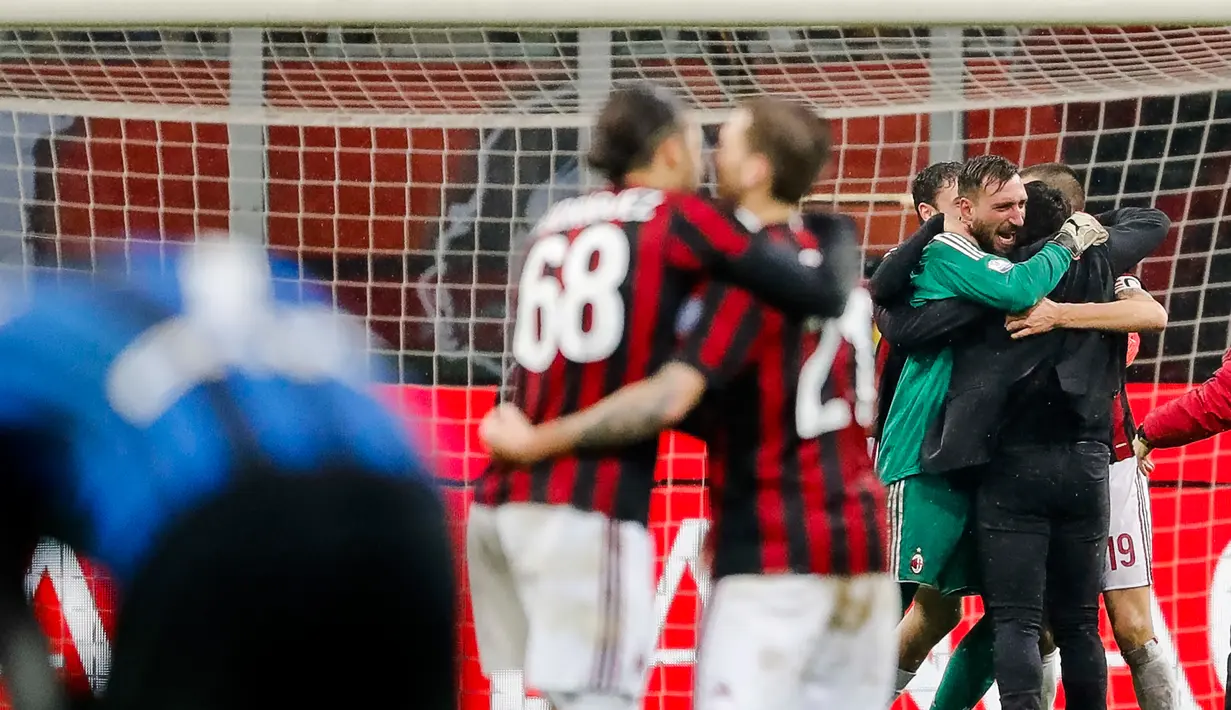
(400, 151)
(597, 13)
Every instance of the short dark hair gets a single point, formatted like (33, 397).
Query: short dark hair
(931, 180)
(1061, 177)
(1046, 210)
(795, 140)
(630, 127)
(984, 171)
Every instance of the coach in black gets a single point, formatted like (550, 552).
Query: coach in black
(1029, 423)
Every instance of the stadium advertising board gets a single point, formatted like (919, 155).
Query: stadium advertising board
(1192, 570)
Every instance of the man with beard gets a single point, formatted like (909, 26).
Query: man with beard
(929, 516)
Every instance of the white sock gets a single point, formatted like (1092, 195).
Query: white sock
(1153, 677)
(904, 679)
(1051, 679)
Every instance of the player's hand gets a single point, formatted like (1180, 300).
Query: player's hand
(1044, 316)
(1080, 232)
(1141, 449)
(508, 436)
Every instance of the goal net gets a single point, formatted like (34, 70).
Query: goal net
(399, 167)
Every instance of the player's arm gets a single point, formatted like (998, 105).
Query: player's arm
(714, 351)
(1198, 414)
(928, 326)
(1133, 311)
(706, 239)
(1133, 233)
(891, 280)
(992, 281)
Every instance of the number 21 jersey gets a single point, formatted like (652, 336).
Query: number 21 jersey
(597, 298)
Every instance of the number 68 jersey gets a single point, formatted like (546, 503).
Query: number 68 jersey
(597, 298)
(788, 402)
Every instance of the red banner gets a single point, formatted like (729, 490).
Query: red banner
(1192, 566)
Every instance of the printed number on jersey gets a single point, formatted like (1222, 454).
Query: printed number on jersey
(813, 415)
(551, 311)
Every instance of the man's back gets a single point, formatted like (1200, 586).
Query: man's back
(800, 536)
(794, 488)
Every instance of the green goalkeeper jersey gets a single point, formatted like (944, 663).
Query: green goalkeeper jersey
(952, 267)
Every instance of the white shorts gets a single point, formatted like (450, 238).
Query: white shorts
(791, 642)
(564, 595)
(1129, 550)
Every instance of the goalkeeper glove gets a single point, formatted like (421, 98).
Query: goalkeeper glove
(1080, 232)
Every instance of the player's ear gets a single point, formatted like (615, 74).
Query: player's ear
(966, 208)
(671, 151)
(925, 212)
(757, 171)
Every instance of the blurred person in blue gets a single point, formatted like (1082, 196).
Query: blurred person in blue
(207, 432)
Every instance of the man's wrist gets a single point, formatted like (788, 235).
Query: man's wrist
(1064, 315)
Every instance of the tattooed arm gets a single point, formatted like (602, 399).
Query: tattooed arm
(632, 414)
(714, 351)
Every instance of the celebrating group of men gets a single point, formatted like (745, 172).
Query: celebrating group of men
(1006, 326)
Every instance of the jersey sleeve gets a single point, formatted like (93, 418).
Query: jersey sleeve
(704, 239)
(723, 338)
(970, 273)
(1198, 414)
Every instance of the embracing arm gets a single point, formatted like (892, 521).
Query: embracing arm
(891, 280)
(1133, 311)
(931, 325)
(706, 239)
(1133, 233)
(715, 350)
(992, 281)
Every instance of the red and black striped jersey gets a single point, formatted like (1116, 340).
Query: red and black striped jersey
(597, 298)
(792, 486)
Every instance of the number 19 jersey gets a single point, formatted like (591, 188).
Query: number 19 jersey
(597, 298)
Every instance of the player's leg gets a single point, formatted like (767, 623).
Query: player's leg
(294, 592)
(499, 617)
(928, 520)
(1013, 535)
(757, 633)
(1126, 588)
(1051, 666)
(970, 672)
(586, 583)
(851, 664)
(1075, 574)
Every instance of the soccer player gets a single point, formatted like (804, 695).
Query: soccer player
(215, 445)
(559, 557)
(799, 536)
(934, 191)
(929, 515)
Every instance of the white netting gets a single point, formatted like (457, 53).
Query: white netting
(400, 167)
(475, 76)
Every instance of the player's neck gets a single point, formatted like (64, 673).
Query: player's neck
(958, 227)
(768, 210)
(652, 178)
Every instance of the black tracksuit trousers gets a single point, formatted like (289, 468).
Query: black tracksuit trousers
(1042, 518)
